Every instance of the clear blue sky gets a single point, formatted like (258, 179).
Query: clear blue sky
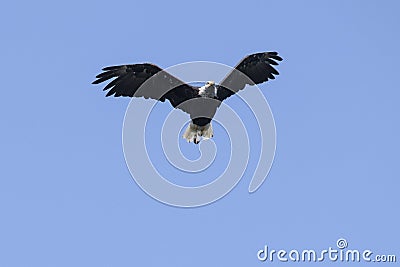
(67, 197)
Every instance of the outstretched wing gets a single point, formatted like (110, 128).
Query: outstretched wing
(148, 81)
(253, 69)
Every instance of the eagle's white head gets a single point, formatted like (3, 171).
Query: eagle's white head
(210, 83)
(208, 90)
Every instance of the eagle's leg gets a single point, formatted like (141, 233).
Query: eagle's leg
(191, 133)
(207, 131)
(194, 132)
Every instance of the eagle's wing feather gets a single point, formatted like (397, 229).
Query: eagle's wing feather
(253, 69)
(148, 81)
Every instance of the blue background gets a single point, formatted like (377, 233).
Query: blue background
(66, 196)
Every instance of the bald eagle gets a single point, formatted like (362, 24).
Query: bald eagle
(150, 81)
